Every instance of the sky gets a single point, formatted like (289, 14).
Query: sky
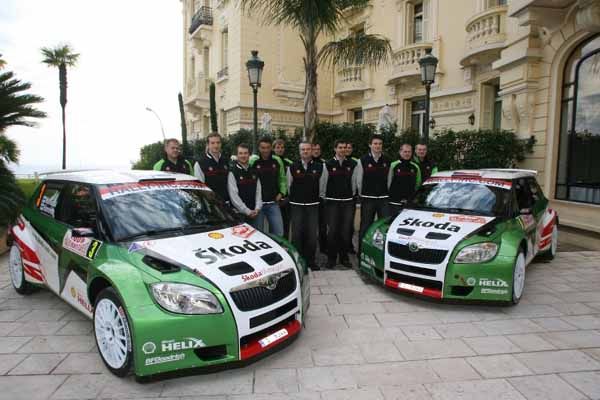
(131, 58)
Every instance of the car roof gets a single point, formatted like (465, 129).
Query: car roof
(491, 173)
(107, 176)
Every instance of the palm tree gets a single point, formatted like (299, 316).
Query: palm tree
(313, 19)
(62, 57)
(16, 108)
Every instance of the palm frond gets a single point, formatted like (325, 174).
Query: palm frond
(371, 50)
(61, 54)
(11, 197)
(16, 106)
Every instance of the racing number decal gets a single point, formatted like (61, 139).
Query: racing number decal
(93, 249)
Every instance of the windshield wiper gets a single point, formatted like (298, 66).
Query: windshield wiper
(466, 211)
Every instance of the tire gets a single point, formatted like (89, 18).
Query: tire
(518, 278)
(114, 345)
(17, 275)
(551, 252)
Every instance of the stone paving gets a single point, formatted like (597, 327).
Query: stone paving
(361, 342)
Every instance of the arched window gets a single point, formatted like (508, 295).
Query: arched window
(578, 175)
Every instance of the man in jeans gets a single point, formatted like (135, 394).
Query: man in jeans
(273, 181)
(317, 156)
(244, 188)
(372, 174)
(339, 204)
(284, 204)
(307, 180)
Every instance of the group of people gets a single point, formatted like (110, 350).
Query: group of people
(316, 196)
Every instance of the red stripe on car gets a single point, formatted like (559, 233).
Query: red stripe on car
(27, 252)
(436, 294)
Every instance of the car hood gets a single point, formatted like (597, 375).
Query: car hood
(433, 230)
(229, 257)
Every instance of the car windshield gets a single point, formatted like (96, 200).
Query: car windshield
(138, 210)
(463, 197)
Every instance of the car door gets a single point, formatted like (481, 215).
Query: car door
(47, 232)
(526, 215)
(80, 243)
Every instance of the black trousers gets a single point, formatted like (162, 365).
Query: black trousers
(339, 215)
(395, 210)
(284, 206)
(368, 209)
(322, 228)
(304, 231)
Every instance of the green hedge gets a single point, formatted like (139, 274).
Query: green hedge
(450, 149)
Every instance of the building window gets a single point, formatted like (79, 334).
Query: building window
(417, 115)
(418, 23)
(497, 116)
(356, 115)
(578, 171)
(224, 47)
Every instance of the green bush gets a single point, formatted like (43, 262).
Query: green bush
(469, 149)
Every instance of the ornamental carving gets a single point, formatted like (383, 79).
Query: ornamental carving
(450, 103)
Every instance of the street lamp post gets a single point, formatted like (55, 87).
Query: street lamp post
(428, 64)
(255, 67)
(162, 129)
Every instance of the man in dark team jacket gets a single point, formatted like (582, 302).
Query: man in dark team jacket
(404, 179)
(212, 168)
(426, 165)
(173, 161)
(244, 188)
(284, 204)
(271, 172)
(307, 180)
(316, 154)
(339, 204)
(372, 174)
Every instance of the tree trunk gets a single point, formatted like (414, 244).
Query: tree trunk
(62, 81)
(184, 139)
(310, 91)
(64, 158)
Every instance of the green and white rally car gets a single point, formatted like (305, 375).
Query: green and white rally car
(171, 279)
(466, 235)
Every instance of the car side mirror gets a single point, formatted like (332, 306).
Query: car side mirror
(82, 232)
(525, 211)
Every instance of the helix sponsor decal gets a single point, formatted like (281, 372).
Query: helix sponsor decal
(185, 344)
(496, 283)
(212, 255)
(80, 299)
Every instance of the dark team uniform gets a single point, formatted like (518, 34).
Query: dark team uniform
(372, 180)
(404, 179)
(214, 173)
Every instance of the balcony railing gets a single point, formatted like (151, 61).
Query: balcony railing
(202, 17)
(224, 73)
(486, 35)
(406, 60)
(352, 78)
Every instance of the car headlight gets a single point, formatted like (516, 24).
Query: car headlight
(378, 240)
(477, 253)
(185, 299)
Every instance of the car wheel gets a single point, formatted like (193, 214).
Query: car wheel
(17, 277)
(551, 252)
(111, 330)
(518, 278)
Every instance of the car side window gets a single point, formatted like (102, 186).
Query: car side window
(525, 198)
(78, 208)
(535, 189)
(48, 198)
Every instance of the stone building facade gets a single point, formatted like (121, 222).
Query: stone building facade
(532, 66)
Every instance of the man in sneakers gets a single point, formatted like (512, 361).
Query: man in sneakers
(212, 169)
(307, 180)
(244, 187)
(339, 204)
(273, 181)
(284, 204)
(173, 161)
(427, 166)
(403, 180)
(372, 174)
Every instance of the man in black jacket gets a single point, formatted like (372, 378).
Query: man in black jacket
(339, 204)
(404, 179)
(307, 180)
(212, 168)
(372, 174)
(244, 188)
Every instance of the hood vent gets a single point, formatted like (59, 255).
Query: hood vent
(160, 265)
(272, 258)
(437, 236)
(238, 268)
(405, 232)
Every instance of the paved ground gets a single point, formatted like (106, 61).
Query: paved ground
(361, 342)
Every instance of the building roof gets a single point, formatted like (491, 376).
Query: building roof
(492, 173)
(104, 177)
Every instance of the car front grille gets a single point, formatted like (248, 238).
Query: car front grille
(425, 256)
(260, 295)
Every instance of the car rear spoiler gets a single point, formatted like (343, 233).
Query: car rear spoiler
(526, 171)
